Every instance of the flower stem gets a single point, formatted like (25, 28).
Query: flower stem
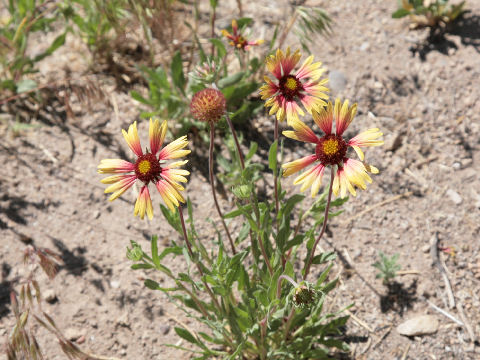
(275, 175)
(310, 259)
(190, 252)
(325, 219)
(212, 184)
(279, 283)
(237, 144)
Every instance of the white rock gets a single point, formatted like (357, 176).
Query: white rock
(50, 296)
(454, 196)
(420, 325)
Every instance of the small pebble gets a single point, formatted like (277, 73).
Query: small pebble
(454, 196)
(50, 296)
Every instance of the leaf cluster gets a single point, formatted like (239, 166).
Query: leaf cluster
(250, 314)
(25, 17)
(429, 13)
(387, 266)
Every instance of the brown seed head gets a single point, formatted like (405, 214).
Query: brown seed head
(208, 105)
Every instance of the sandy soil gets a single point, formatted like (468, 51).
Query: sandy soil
(424, 98)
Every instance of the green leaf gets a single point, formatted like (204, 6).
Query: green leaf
(26, 85)
(136, 96)
(154, 249)
(177, 72)
(297, 240)
(153, 285)
(221, 51)
(244, 21)
(324, 257)
(59, 41)
(141, 266)
(242, 191)
(400, 13)
(185, 334)
(230, 80)
(252, 150)
(272, 157)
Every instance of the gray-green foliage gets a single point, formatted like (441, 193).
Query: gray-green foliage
(250, 321)
(311, 21)
(387, 266)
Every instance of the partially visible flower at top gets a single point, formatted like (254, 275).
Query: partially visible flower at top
(288, 89)
(148, 168)
(238, 40)
(208, 105)
(331, 150)
(206, 72)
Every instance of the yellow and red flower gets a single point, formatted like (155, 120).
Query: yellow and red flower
(288, 90)
(238, 40)
(331, 150)
(148, 168)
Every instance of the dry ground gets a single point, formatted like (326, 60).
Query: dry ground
(424, 98)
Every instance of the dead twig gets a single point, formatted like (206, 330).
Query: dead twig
(408, 272)
(436, 262)
(404, 356)
(384, 335)
(381, 203)
(466, 323)
(443, 312)
(358, 321)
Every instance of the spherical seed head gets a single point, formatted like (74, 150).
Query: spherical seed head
(208, 105)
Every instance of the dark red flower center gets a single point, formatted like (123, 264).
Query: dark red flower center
(290, 87)
(147, 168)
(331, 149)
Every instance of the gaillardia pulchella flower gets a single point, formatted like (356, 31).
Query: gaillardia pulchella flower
(288, 90)
(149, 167)
(331, 150)
(237, 40)
(208, 105)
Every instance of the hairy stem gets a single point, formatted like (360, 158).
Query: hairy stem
(212, 184)
(190, 252)
(325, 220)
(237, 144)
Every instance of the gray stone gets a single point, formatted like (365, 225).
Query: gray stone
(419, 325)
(164, 329)
(337, 81)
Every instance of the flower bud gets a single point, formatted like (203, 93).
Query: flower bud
(208, 105)
(304, 296)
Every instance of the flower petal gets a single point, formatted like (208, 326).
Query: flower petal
(115, 166)
(367, 138)
(174, 149)
(143, 204)
(343, 115)
(120, 184)
(311, 178)
(297, 165)
(131, 137)
(169, 194)
(156, 133)
(301, 132)
(309, 70)
(324, 118)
